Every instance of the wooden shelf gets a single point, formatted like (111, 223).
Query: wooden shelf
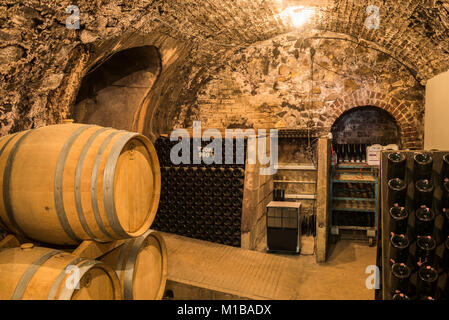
(293, 181)
(354, 209)
(295, 167)
(353, 199)
(301, 196)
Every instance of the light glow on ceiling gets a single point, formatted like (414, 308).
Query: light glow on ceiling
(298, 15)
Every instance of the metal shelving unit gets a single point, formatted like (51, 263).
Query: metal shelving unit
(357, 174)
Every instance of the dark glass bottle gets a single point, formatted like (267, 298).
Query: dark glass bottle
(340, 153)
(346, 153)
(399, 248)
(237, 183)
(423, 163)
(396, 165)
(425, 250)
(400, 278)
(225, 182)
(427, 281)
(398, 220)
(238, 173)
(397, 190)
(351, 153)
(358, 155)
(400, 296)
(424, 221)
(364, 146)
(423, 193)
(238, 193)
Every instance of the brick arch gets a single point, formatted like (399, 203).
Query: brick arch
(410, 137)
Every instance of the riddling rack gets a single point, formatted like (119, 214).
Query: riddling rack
(413, 252)
(354, 199)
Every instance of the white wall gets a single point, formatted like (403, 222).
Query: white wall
(436, 132)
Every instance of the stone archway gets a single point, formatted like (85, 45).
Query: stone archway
(112, 93)
(400, 110)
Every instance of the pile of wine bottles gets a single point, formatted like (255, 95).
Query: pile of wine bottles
(200, 201)
(418, 202)
(350, 153)
(200, 150)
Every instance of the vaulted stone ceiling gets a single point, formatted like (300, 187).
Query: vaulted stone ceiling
(42, 62)
(416, 32)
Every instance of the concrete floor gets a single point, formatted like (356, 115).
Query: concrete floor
(239, 273)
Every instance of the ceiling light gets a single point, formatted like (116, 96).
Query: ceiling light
(297, 15)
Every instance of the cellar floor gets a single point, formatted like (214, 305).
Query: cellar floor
(239, 273)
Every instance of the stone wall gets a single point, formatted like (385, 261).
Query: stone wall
(42, 62)
(281, 82)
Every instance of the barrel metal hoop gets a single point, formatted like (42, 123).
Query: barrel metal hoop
(78, 173)
(7, 181)
(61, 276)
(58, 185)
(121, 258)
(108, 184)
(93, 186)
(130, 267)
(67, 293)
(2, 223)
(29, 273)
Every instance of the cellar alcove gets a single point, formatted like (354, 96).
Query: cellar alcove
(366, 125)
(112, 93)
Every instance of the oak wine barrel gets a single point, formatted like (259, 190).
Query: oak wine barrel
(67, 183)
(35, 273)
(141, 265)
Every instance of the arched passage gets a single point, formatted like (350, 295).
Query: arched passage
(399, 110)
(366, 125)
(111, 94)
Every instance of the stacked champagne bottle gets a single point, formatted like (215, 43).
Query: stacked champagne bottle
(200, 201)
(355, 153)
(418, 227)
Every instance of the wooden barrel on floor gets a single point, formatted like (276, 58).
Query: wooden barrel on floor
(141, 265)
(66, 183)
(35, 273)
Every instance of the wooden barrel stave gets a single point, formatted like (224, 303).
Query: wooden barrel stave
(67, 189)
(42, 274)
(141, 266)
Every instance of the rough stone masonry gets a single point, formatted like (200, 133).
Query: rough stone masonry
(239, 57)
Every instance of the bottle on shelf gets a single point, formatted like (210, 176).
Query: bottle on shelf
(363, 151)
(351, 153)
(398, 220)
(397, 190)
(423, 193)
(400, 296)
(340, 153)
(423, 164)
(427, 281)
(424, 221)
(346, 153)
(399, 248)
(400, 278)
(425, 250)
(396, 165)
